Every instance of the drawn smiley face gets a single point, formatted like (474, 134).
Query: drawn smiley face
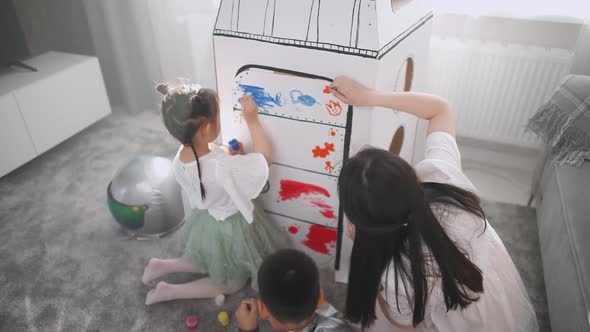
(334, 108)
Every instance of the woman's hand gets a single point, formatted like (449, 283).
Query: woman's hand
(249, 109)
(351, 92)
(425, 106)
(350, 230)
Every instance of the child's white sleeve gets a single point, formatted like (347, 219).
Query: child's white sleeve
(243, 178)
(442, 162)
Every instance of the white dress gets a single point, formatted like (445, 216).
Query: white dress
(231, 182)
(225, 234)
(504, 305)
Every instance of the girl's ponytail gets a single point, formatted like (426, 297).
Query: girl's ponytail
(198, 170)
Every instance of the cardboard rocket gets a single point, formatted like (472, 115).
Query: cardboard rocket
(285, 54)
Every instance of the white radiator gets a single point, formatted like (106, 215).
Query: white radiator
(495, 88)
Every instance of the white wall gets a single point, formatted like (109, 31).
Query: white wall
(183, 36)
(141, 43)
(564, 24)
(582, 51)
(123, 50)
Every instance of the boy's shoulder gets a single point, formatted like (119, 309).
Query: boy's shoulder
(329, 319)
(331, 324)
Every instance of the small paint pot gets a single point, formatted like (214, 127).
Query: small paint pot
(223, 318)
(192, 322)
(234, 144)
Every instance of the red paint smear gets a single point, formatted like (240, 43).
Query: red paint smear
(319, 238)
(328, 214)
(321, 204)
(293, 229)
(293, 189)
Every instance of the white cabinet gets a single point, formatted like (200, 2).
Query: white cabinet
(39, 110)
(16, 147)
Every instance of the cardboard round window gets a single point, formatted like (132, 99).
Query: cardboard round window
(397, 141)
(409, 74)
(397, 4)
(405, 76)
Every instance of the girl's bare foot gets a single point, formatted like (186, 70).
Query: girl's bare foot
(153, 270)
(159, 294)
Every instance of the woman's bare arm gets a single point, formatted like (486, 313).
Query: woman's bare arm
(429, 107)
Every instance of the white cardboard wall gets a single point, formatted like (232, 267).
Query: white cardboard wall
(292, 50)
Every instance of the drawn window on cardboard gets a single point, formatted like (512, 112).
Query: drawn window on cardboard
(397, 141)
(310, 133)
(408, 75)
(396, 5)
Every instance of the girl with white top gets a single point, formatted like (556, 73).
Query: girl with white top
(226, 236)
(424, 256)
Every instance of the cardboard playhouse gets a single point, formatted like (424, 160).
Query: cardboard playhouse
(285, 54)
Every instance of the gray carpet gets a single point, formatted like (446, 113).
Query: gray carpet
(66, 266)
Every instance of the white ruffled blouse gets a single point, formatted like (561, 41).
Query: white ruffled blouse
(504, 305)
(230, 182)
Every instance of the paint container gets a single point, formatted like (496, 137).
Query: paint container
(223, 318)
(220, 300)
(234, 144)
(192, 322)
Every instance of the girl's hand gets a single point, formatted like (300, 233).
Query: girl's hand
(351, 92)
(249, 109)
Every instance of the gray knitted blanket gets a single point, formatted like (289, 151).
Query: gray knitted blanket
(564, 121)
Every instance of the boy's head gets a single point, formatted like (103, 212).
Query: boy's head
(289, 287)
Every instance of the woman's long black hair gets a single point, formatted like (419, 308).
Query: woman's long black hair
(392, 213)
(184, 111)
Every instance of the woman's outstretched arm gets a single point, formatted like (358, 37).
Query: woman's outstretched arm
(429, 107)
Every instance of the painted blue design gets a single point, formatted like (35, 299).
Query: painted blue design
(262, 98)
(306, 100)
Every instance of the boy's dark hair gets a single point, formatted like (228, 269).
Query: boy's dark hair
(289, 285)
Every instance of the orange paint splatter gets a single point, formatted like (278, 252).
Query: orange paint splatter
(329, 167)
(327, 89)
(319, 152)
(332, 132)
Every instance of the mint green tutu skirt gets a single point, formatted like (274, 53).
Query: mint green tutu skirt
(230, 251)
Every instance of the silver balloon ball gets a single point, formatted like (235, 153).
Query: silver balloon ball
(145, 198)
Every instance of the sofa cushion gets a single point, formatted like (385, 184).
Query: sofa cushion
(564, 230)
